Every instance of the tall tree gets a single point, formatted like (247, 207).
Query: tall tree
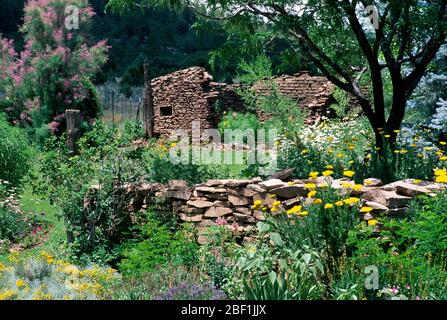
(338, 38)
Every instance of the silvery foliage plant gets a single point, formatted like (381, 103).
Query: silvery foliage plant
(439, 121)
(431, 89)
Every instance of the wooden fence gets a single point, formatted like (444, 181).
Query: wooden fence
(117, 107)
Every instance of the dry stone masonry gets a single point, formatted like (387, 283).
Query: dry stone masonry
(191, 94)
(232, 200)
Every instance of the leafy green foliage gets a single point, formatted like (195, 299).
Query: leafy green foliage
(149, 285)
(284, 115)
(54, 70)
(278, 272)
(424, 232)
(97, 175)
(161, 245)
(238, 121)
(15, 153)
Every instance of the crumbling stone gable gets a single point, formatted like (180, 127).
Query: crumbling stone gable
(188, 95)
(191, 94)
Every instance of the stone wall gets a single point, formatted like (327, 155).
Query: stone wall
(233, 200)
(191, 94)
(313, 94)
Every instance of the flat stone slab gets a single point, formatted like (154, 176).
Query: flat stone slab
(182, 195)
(410, 190)
(217, 212)
(216, 183)
(244, 210)
(378, 207)
(238, 183)
(256, 187)
(258, 215)
(282, 175)
(191, 218)
(200, 204)
(288, 204)
(210, 190)
(272, 184)
(389, 199)
(239, 200)
(178, 185)
(290, 192)
(265, 199)
(372, 182)
(244, 218)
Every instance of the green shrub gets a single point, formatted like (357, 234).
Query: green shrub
(284, 113)
(273, 270)
(16, 226)
(424, 231)
(239, 121)
(104, 164)
(325, 229)
(162, 243)
(15, 153)
(403, 273)
(160, 168)
(147, 286)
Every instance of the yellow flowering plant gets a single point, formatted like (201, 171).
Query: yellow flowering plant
(44, 277)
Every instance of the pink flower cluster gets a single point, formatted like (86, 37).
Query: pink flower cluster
(54, 48)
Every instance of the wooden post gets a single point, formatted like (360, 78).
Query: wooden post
(148, 104)
(113, 105)
(73, 118)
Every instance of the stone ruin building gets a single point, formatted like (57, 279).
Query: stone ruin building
(191, 94)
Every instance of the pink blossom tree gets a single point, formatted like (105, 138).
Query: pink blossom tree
(54, 70)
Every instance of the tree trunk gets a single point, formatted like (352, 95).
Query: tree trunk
(148, 105)
(397, 114)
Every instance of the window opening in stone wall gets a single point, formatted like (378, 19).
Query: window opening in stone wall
(165, 111)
